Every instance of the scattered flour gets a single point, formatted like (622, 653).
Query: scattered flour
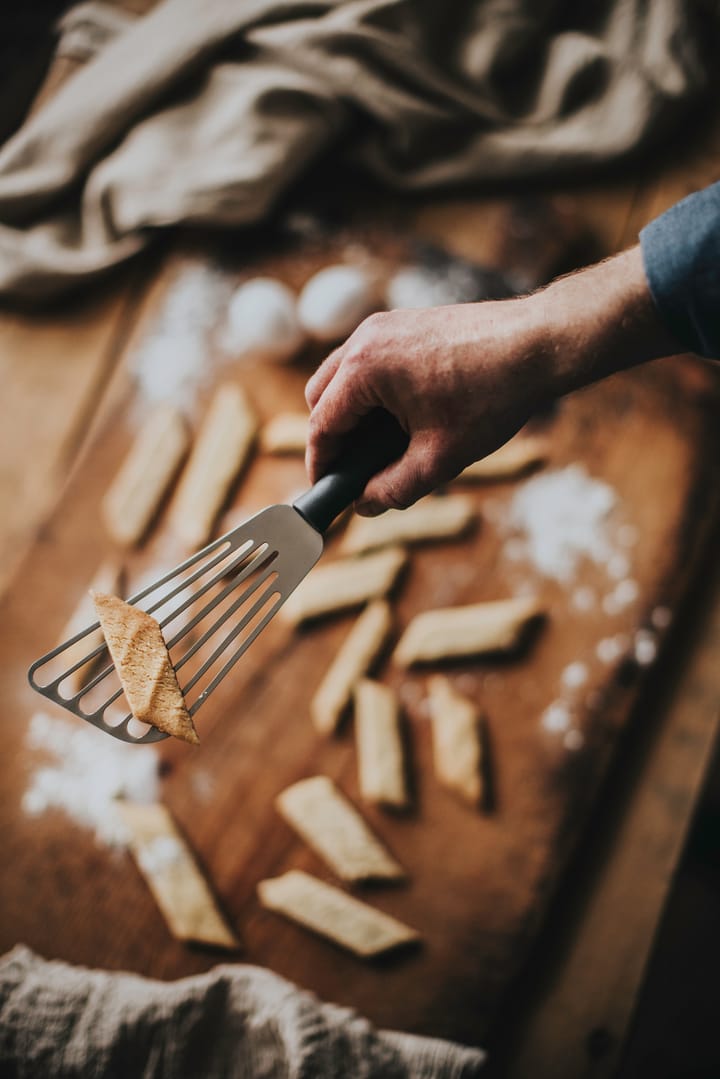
(661, 617)
(627, 535)
(645, 647)
(426, 286)
(515, 549)
(574, 676)
(84, 772)
(610, 649)
(584, 598)
(561, 516)
(161, 853)
(203, 785)
(441, 279)
(625, 593)
(556, 717)
(573, 740)
(618, 566)
(173, 359)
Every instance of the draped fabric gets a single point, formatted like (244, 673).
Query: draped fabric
(204, 112)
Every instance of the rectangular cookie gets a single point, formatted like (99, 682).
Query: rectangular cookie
(137, 649)
(344, 584)
(353, 659)
(457, 739)
(133, 497)
(354, 925)
(452, 632)
(382, 769)
(179, 888)
(518, 456)
(285, 433)
(432, 518)
(333, 828)
(221, 449)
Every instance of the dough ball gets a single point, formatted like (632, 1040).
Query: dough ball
(262, 321)
(335, 301)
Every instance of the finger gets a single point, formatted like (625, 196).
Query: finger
(337, 413)
(317, 384)
(403, 482)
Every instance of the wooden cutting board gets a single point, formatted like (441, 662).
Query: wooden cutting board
(479, 883)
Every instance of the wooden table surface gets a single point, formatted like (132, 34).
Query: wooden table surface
(55, 369)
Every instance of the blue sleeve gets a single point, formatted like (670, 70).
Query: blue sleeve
(681, 254)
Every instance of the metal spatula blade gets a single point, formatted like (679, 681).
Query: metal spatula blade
(214, 605)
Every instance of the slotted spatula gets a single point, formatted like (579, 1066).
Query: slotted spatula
(269, 555)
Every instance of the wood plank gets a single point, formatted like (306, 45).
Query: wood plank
(479, 883)
(571, 1022)
(53, 365)
(597, 213)
(53, 369)
(573, 1008)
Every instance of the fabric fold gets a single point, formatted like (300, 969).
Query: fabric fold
(207, 111)
(235, 1022)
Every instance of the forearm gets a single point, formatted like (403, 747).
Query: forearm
(596, 322)
(462, 380)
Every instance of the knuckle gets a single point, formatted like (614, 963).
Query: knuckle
(355, 360)
(396, 500)
(372, 323)
(441, 460)
(364, 340)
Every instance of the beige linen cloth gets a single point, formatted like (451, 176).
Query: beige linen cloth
(203, 112)
(236, 1022)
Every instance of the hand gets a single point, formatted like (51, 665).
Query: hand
(458, 379)
(461, 380)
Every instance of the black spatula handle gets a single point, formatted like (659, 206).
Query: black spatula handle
(376, 442)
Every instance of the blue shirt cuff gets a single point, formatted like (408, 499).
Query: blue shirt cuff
(681, 254)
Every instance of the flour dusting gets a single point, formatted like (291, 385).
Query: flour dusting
(160, 854)
(83, 772)
(173, 359)
(556, 717)
(561, 518)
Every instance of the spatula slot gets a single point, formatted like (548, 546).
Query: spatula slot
(250, 626)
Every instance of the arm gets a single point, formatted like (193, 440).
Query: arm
(463, 379)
